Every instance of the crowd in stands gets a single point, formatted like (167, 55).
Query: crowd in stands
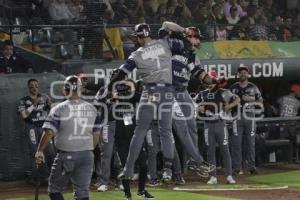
(217, 19)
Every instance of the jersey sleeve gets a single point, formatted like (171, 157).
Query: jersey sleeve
(257, 94)
(53, 120)
(129, 65)
(176, 45)
(21, 106)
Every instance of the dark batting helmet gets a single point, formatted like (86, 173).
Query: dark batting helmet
(141, 30)
(72, 83)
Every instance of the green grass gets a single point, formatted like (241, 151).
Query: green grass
(159, 194)
(291, 179)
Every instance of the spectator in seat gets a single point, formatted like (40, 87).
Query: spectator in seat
(277, 31)
(214, 19)
(161, 12)
(244, 5)
(259, 31)
(76, 8)
(170, 12)
(60, 13)
(10, 62)
(233, 19)
(269, 9)
(229, 4)
(183, 13)
(241, 30)
(221, 31)
(296, 27)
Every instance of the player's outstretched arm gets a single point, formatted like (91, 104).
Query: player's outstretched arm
(46, 137)
(173, 27)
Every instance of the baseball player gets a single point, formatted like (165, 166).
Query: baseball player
(289, 104)
(215, 102)
(107, 144)
(125, 125)
(184, 65)
(34, 109)
(154, 65)
(244, 127)
(74, 124)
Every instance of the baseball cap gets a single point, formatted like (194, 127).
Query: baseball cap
(295, 88)
(243, 67)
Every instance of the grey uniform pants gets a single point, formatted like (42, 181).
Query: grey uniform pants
(155, 102)
(106, 150)
(182, 130)
(74, 166)
(153, 146)
(188, 109)
(216, 133)
(243, 140)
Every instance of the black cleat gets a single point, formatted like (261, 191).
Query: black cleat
(146, 195)
(253, 171)
(127, 197)
(201, 169)
(153, 183)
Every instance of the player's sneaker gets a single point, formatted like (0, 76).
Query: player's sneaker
(167, 175)
(230, 180)
(146, 195)
(212, 181)
(179, 180)
(102, 188)
(153, 183)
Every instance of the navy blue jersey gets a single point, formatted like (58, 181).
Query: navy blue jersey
(214, 102)
(40, 111)
(250, 90)
(183, 66)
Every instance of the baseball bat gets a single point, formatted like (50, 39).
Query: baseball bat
(38, 183)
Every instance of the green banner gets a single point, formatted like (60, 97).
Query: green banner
(248, 49)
